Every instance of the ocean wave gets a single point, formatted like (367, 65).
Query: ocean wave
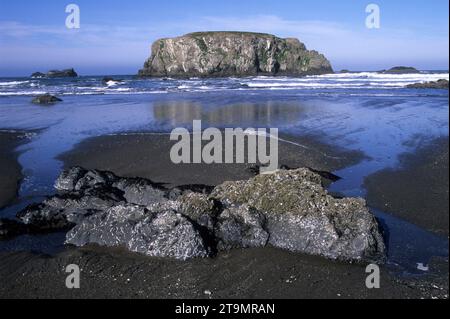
(22, 93)
(13, 83)
(326, 82)
(383, 76)
(300, 85)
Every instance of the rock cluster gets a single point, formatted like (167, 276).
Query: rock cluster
(439, 84)
(288, 209)
(220, 54)
(401, 70)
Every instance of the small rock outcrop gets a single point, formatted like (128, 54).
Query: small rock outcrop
(439, 85)
(288, 209)
(401, 70)
(38, 75)
(221, 54)
(46, 99)
(68, 73)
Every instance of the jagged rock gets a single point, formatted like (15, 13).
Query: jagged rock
(43, 217)
(168, 234)
(46, 99)
(199, 208)
(288, 209)
(135, 190)
(38, 75)
(68, 73)
(302, 217)
(140, 191)
(162, 234)
(68, 179)
(112, 227)
(241, 227)
(441, 84)
(65, 211)
(206, 54)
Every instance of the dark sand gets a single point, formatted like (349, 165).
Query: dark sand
(253, 273)
(140, 155)
(418, 191)
(10, 169)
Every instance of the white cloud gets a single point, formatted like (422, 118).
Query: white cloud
(346, 47)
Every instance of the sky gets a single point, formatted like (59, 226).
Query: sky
(115, 36)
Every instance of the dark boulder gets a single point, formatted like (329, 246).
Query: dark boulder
(241, 227)
(38, 75)
(438, 85)
(159, 234)
(302, 217)
(46, 99)
(68, 73)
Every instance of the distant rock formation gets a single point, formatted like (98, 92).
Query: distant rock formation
(401, 70)
(46, 99)
(439, 84)
(288, 209)
(38, 75)
(217, 54)
(69, 73)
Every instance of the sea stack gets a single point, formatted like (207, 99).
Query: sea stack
(68, 73)
(220, 54)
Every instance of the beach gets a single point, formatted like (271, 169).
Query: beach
(253, 273)
(329, 129)
(418, 190)
(10, 169)
(148, 156)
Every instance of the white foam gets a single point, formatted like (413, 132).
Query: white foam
(112, 83)
(13, 83)
(383, 76)
(22, 93)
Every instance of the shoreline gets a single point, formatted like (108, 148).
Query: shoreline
(249, 273)
(148, 156)
(416, 191)
(10, 169)
(265, 273)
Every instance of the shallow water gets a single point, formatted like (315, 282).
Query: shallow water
(366, 111)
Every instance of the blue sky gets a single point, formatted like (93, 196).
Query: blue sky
(115, 36)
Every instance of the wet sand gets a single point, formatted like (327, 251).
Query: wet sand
(418, 190)
(140, 155)
(10, 169)
(253, 273)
